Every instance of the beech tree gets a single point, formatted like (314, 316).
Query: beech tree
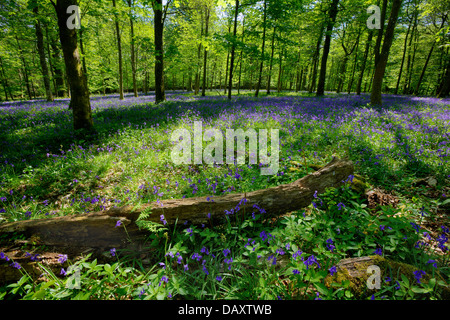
(380, 66)
(79, 100)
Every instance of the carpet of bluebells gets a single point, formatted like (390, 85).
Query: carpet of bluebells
(401, 148)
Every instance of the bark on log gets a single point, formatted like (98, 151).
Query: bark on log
(98, 230)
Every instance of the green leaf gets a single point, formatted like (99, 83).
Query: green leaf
(421, 290)
(321, 288)
(405, 280)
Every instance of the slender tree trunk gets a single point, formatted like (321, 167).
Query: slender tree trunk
(41, 51)
(350, 85)
(298, 77)
(5, 81)
(119, 50)
(133, 54)
(316, 57)
(380, 31)
(405, 47)
(271, 61)
(79, 101)
(233, 49)
(50, 62)
(424, 69)
(205, 57)
(444, 89)
(408, 60)
(83, 58)
(258, 85)
(58, 68)
(428, 59)
(280, 72)
(326, 47)
(363, 65)
(380, 67)
(199, 59)
(240, 58)
(159, 51)
(25, 68)
(226, 74)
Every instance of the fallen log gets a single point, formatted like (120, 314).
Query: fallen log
(100, 230)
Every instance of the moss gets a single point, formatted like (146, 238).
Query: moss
(359, 184)
(356, 274)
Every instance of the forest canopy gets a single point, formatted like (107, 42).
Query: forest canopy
(273, 45)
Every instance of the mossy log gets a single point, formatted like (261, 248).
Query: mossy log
(357, 272)
(99, 230)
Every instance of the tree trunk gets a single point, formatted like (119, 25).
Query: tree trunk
(199, 56)
(363, 65)
(424, 69)
(405, 47)
(119, 50)
(25, 68)
(280, 73)
(316, 56)
(271, 61)
(444, 89)
(226, 74)
(409, 61)
(41, 51)
(326, 47)
(133, 55)
(380, 31)
(380, 67)
(79, 100)
(233, 49)
(258, 85)
(428, 59)
(350, 85)
(57, 67)
(205, 53)
(83, 59)
(97, 230)
(6, 87)
(160, 95)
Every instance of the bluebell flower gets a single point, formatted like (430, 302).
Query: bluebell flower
(163, 279)
(432, 262)
(310, 261)
(296, 254)
(330, 244)
(205, 270)
(62, 258)
(418, 275)
(333, 270)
